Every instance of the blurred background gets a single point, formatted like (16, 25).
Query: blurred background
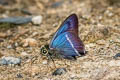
(19, 7)
(26, 25)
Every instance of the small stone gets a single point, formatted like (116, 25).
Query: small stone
(59, 71)
(37, 20)
(19, 75)
(111, 41)
(16, 44)
(73, 76)
(116, 56)
(10, 60)
(12, 46)
(16, 20)
(34, 34)
(3, 35)
(9, 46)
(100, 17)
(110, 14)
(44, 62)
(89, 46)
(24, 54)
(29, 42)
(116, 40)
(1, 40)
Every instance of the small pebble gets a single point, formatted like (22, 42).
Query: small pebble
(19, 75)
(59, 71)
(29, 42)
(1, 40)
(3, 35)
(16, 20)
(34, 34)
(10, 60)
(12, 46)
(116, 56)
(37, 20)
(16, 44)
(24, 53)
(9, 46)
(44, 62)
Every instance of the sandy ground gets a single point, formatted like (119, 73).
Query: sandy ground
(99, 29)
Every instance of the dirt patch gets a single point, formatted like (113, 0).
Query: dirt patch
(99, 28)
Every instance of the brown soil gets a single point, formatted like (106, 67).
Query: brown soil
(99, 28)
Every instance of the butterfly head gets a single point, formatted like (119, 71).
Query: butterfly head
(44, 50)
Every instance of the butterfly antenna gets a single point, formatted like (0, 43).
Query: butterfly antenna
(52, 60)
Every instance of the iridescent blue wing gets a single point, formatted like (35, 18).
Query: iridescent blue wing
(66, 40)
(69, 45)
(70, 24)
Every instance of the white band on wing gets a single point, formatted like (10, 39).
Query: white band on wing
(72, 45)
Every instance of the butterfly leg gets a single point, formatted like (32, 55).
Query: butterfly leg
(50, 57)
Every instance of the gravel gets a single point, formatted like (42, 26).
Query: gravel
(59, 71)
(10, 60)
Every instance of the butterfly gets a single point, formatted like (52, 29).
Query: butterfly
(66, 41)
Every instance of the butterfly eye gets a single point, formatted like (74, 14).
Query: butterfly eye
(44, 51)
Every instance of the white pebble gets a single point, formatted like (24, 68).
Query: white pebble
(37, 20)
(44, 62)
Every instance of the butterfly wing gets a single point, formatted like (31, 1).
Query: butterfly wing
(68, 44)
(70, 24)
(66, 40)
